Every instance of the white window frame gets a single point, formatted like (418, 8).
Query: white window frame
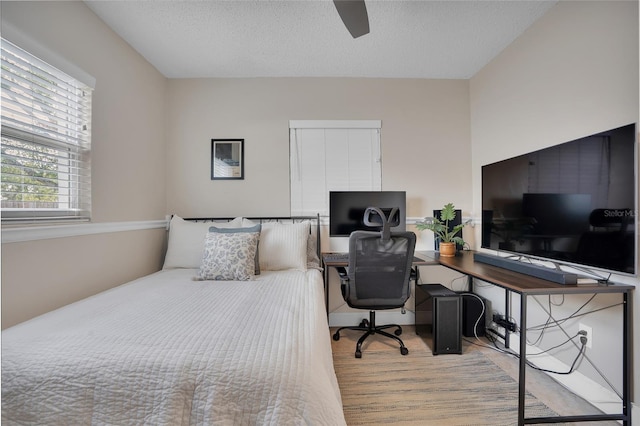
(46, 128)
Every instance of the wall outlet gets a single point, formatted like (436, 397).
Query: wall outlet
(589, 335)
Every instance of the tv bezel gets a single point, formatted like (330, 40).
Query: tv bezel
(583, 267)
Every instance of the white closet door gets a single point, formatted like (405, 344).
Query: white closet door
(332, 159)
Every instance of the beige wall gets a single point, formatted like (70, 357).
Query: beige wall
(425, 138)
(128, 166)
(573, 73)
(425, 142)
(69, 269)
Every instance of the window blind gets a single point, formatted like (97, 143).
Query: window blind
(46, 140)
(332, 158)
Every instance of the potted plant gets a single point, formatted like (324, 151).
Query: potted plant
(440, 227)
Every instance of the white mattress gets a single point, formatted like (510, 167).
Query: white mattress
(168, 350)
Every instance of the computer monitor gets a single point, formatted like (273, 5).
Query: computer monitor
(346, 210)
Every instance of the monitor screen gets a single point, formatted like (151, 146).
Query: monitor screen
(570, 203)
(346, 210)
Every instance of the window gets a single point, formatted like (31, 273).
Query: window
(46, 141)
(332, 156)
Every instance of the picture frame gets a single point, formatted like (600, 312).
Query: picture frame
(227, 159)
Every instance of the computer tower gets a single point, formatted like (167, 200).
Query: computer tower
(439, 315)
(472, 313)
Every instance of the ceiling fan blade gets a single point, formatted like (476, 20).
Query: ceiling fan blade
(354, 15)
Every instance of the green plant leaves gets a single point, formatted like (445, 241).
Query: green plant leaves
(440, 227)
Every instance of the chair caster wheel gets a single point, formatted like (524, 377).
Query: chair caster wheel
(364, 323)
(358, 354)
(398, 332)
(336, 336)
(404, 351)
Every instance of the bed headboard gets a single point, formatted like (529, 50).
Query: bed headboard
(314, 229)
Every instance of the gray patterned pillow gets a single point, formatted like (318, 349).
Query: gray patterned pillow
(253, 228)
(229, 254)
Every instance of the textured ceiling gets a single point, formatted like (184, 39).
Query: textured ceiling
(306, 38)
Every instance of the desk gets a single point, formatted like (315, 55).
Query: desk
(525, 286)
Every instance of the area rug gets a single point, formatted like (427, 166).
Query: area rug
(384, 387)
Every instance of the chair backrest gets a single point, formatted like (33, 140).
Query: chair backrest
(379, 268)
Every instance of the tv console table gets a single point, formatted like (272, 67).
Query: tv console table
(525, 286)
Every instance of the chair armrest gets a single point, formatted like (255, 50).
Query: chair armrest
(344, 279)
(415, 274)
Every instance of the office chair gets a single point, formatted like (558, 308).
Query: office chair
(379, 274)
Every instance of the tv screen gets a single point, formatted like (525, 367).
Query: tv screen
(346, 210)
(573, 203)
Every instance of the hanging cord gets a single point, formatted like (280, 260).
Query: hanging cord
(581, 354)
(575, 361)
(479, 341)
(591, 363)
(546, 351)
(563, 320)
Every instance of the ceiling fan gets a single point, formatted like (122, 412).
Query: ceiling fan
(354, 15)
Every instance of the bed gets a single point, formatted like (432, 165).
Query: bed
(181, 348)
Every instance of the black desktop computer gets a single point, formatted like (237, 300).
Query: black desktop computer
(439, 316)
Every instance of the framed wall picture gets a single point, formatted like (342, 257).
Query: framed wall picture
(227, 158)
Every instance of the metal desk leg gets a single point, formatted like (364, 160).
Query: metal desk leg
(626, 359)
(326, 289)
(507, 316)
(523, 358)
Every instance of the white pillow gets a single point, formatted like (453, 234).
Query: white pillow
(313, 261)
(229, 254)
(283, 246)
(186, 241)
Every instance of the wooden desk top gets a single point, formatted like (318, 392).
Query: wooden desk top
(520, 283)
(515, 281)
(421, 258)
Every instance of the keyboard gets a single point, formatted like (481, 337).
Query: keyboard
(344, 258)
(336, 257)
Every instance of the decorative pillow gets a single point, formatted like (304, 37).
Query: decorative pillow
(229, 254)
(313, 261)
(283, 246)
(246, 227)
(186, 241)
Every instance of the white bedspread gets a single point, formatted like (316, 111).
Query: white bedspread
(167, 350)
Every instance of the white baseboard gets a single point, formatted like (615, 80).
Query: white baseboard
(342, 319)
(604, 399)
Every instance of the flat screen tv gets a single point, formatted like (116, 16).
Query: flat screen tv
(572, 203)
(346, 210)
